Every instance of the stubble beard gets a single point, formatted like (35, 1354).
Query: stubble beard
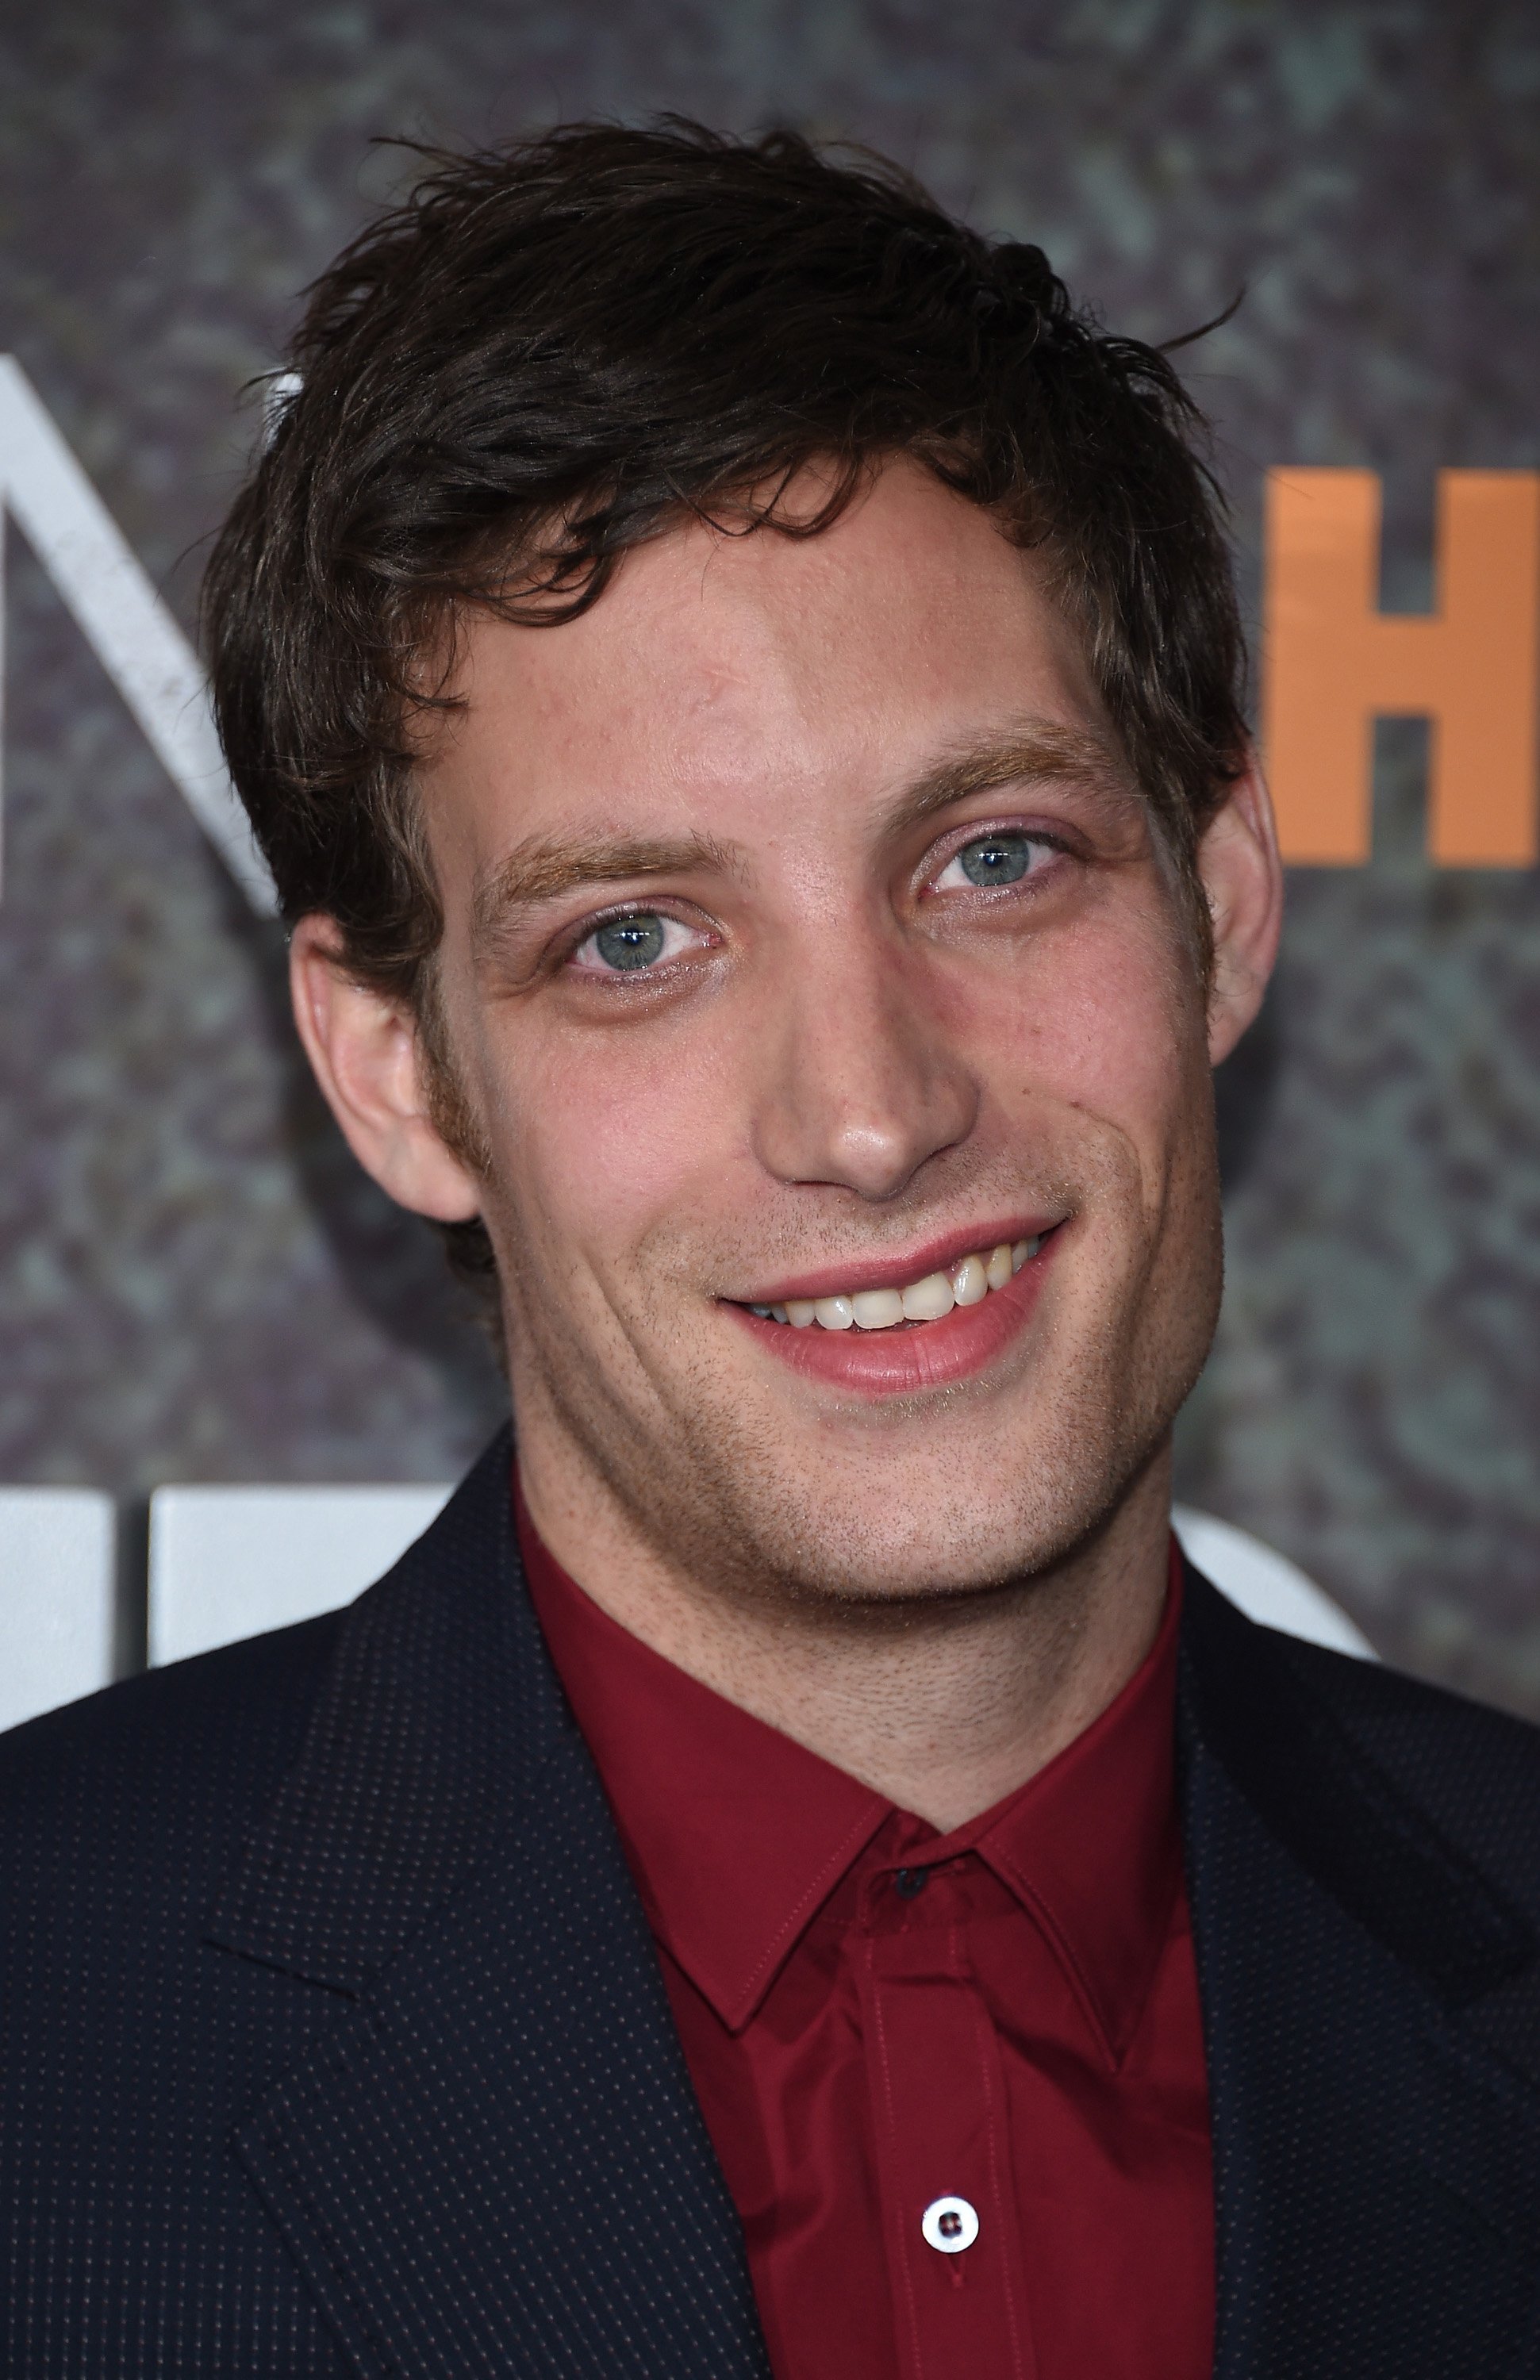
(733, 1507)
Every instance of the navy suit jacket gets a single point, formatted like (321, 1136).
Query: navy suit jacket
(332, 2041)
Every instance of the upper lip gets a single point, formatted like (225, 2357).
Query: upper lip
(938, 1254)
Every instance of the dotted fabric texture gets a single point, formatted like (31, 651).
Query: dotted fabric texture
(129, 2051)
(334, 2036)
(334, 2041)
(1364, 1862)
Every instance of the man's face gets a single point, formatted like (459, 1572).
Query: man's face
(806, 937)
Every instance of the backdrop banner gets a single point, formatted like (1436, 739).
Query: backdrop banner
(197, 1283)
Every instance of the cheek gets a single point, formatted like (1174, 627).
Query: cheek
(1106, 1019)
(603, 1138)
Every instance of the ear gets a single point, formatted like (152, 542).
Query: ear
(368, 1058)
(1243, 877)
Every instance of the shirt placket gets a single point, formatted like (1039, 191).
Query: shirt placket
(951, 2225)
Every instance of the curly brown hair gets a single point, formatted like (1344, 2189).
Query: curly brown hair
(551, 351)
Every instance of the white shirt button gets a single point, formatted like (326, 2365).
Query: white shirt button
(950, 2225)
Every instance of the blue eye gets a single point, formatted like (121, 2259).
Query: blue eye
(996, 859)
(630, 942)
(638, 942)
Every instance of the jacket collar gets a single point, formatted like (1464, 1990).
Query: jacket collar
(439, 1707)
(494, 2161)
(1377, 2168)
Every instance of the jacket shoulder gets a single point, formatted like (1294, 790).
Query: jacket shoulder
(1474, 1771)
(162, 1774)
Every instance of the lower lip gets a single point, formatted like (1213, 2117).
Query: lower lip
(909, 1357)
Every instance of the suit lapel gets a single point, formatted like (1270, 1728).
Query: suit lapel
(494, 2163)
(1377, 2168)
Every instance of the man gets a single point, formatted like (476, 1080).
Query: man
(737, 682)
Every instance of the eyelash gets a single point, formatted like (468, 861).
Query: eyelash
(1038, 838)
(593, 927)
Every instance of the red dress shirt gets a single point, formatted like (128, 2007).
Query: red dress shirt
(877, 2018)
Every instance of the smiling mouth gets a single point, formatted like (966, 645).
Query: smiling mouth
(967, 1281)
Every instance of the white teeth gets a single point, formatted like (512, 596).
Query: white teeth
(876, 1309)
(969, 1282)
(929, 1299)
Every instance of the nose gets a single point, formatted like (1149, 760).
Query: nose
(859, 1087)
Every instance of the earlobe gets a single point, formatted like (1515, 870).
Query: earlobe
(1243, 877)
(366, 1052)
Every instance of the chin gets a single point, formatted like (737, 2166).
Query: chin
(900, 1532)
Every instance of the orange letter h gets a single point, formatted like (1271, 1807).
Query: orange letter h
(1334, 661)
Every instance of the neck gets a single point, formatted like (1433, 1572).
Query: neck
(943, 1708)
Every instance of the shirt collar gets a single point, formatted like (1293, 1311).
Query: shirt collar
(736, 1835)
(1092, 1846)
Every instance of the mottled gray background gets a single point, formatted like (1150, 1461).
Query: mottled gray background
(197, 1283)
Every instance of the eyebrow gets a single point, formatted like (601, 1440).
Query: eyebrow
(546, 868)
(1039, 750)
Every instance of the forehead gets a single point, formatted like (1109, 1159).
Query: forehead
(729, 672)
